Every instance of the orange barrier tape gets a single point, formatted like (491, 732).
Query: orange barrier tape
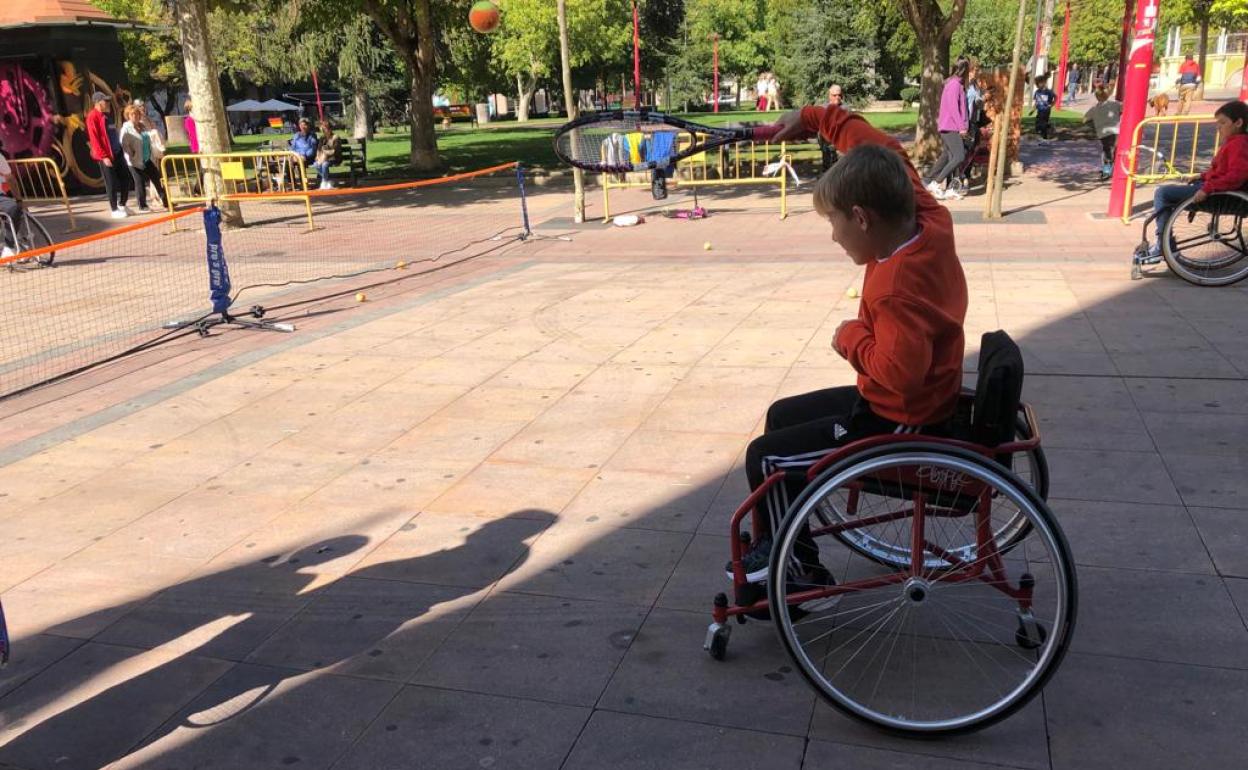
(375, 189)
(98, 236)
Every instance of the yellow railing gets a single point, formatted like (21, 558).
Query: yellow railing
(39, 179)
(737, 164)
(238, 175)
(1166, 156)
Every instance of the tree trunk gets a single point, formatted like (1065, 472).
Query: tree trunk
(203, 81)
(362, 119)
(570, 102)
(934, 56)
(409, 26)
(525, 90)
(1201, 53)
(424, 144)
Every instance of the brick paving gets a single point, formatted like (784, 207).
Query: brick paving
(405, 535)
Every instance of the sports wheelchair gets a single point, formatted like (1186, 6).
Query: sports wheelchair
(29, 236)
(951, 598)
(1203, 243)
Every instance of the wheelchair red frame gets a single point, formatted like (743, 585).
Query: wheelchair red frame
(990, 569)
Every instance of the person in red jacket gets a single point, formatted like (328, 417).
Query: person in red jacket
(906, 343)
(1228, 172)
(102, 152)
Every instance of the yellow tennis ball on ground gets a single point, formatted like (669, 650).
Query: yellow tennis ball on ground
(400, 265)
(359, 296)
(706, 246)
(852, 292)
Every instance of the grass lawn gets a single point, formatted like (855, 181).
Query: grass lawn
(464, 148)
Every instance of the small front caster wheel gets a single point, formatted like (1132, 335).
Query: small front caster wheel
(1030, 634)
(716, 640)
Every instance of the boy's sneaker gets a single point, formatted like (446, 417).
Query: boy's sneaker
(755, 562)
(6, 252)
(953, 194)
(1153, 256)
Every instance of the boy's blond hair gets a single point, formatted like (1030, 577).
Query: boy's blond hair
(869, 176)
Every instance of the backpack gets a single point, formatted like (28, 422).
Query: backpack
(998, 391)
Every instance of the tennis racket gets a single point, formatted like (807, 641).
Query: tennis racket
(619, 141)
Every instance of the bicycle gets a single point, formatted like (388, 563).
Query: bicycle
(30, 236)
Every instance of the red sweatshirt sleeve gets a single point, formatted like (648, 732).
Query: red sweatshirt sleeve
(846, 130)
(1230, 168)
(897, 353)
(97, 136)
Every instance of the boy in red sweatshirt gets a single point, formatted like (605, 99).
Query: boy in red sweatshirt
(906, 343)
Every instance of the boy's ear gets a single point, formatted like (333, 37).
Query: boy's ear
(862, 218)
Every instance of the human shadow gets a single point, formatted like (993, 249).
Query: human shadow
(279, 617)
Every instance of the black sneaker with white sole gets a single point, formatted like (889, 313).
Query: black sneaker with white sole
(755, 562)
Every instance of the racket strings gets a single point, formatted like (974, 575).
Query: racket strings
(623, 145)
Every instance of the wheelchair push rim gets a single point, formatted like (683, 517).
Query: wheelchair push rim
(921, 650)
(869, 541)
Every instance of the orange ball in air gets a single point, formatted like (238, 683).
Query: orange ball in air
(484, 16)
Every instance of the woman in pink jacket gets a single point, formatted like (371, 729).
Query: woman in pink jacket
(952, 123)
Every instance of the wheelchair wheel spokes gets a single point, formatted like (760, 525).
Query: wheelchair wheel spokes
(37, 237)
(33, 235)
(964, 640)
(888, 541)
(1206, 244)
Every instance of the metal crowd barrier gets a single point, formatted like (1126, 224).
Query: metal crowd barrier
(39, 180)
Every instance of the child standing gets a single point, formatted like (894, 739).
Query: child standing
(1042, 101)
(1105, 117)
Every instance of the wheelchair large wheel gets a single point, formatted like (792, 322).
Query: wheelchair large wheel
(34, 235)
(879, 542)
(1204, 243)
(919, 649)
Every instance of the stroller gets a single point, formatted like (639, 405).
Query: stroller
(978, 144)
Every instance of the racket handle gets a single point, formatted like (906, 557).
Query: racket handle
(765, 133)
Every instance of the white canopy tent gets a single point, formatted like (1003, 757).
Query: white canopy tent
(246, 105)
(276, 105)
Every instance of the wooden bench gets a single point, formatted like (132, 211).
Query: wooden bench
(354, 155)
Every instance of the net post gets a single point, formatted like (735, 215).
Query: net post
(524, 203)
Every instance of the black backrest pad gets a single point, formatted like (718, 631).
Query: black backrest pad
(998, 390)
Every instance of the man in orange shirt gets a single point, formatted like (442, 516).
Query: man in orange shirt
(906, 343)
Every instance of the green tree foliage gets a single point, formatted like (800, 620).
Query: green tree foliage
(744, 49)
(821, 42)
(1095, 32)
(153, 57)
(526, 47)
(987, 32)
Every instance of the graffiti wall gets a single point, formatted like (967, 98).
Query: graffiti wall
(45, 95)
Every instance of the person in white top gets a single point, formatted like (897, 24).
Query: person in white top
(1105, 117)
(760, 90)
(773, 92)
(12, 210)
(142, 148)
